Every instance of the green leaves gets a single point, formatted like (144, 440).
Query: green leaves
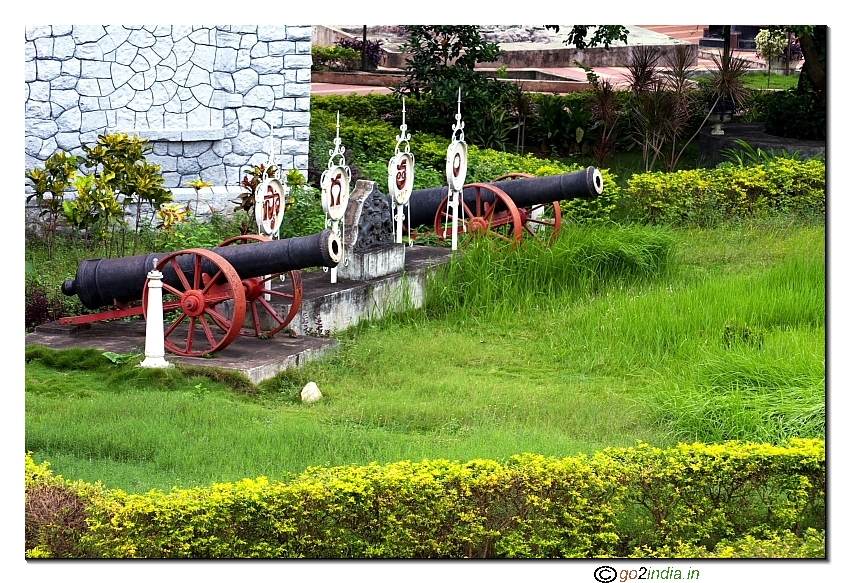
(619, 502)
(705, 196)
(116, 358)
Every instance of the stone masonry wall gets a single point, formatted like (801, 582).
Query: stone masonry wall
(206, 97)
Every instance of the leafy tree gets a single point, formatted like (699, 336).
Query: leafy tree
(442, 61)
(602, 34)
(443, 51)
(813, 44)
(134, 179)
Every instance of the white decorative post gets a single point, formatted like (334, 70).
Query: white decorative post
(270, 201)
(154, 326)
(456, 170)
(335, 191)
(400, 177)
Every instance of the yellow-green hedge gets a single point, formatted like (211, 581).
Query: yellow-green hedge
(616, 503)
(705, 196)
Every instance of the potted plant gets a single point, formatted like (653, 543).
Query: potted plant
(727, 91)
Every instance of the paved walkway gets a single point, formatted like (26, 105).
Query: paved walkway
(656, 34)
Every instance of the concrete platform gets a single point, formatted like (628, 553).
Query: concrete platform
(337, 306)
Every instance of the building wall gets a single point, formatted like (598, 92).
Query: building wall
(206, 97)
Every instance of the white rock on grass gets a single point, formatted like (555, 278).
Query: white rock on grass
(310, 393)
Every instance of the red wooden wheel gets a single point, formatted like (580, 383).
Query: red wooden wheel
(284, 289)
(542, 221)
(513, 176)
(196, 282)
(493, 213)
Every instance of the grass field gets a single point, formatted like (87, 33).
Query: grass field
(611, 336)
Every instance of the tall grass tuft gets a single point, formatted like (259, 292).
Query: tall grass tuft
(752, 396)
(492, 276)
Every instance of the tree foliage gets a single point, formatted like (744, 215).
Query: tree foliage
(443, 51)
(441, 63)
(813, 44)
(602, 35)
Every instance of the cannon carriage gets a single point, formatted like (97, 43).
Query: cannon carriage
(213, 295)
(507, 208)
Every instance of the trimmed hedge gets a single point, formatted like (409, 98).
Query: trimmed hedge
(705, 196)
(619, 502)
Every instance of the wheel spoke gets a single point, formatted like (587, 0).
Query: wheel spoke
(218, 318)
(467, 209)
(174, 290)
(208, 331)
(196, 284)
(179, 271)
(255, 316)
(190, 337)
(271, 311)
(280, 294)
(174, 324)
(211, 281)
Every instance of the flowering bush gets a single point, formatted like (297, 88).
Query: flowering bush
(772, 44)
(374, 52)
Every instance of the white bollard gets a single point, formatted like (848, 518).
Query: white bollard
(155, 327)
(399, 222)
(455, 195)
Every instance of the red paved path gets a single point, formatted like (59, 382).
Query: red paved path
(687, 32)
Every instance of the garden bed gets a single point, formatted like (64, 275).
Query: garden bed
(711, 147)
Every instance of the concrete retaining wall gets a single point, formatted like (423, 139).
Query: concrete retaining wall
(554, 57)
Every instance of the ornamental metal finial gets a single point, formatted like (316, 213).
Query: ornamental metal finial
(457, 128)
(404, 137)
(338, 150)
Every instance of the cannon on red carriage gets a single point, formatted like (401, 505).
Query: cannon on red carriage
(210, 292)
(507, 207)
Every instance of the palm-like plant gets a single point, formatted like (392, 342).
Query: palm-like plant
(727, 86)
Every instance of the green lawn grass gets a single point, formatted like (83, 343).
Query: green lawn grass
(611, 336)
(761, 80)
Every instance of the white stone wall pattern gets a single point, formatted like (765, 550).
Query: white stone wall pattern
(206, 97)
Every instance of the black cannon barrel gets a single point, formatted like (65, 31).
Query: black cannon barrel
(524, 192)
(99, 282)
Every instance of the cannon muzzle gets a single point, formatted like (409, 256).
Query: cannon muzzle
(102, 282)
(587, 183)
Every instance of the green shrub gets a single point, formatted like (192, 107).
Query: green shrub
(784, 545)
(705, 493)
(335, 58)
(706, 197)
(304, 215)
(55, 512)
(194, 233)
(801, 116)
(619, 502)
